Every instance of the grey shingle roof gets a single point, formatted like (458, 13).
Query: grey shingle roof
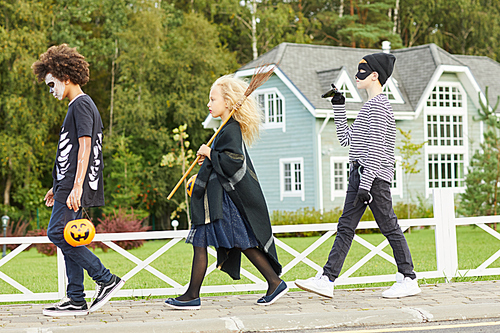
(486, 71)
(327, 77)
(312, 68)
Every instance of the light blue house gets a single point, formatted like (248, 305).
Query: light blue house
(434, 94)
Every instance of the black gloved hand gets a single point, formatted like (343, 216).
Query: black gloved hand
(338, 99)
(363, 196)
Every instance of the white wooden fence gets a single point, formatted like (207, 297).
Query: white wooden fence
(444, 222)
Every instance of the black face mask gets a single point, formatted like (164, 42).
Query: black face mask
(367, 70)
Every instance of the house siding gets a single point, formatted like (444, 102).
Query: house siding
(298, 141)
(330, 148)
(413, 184)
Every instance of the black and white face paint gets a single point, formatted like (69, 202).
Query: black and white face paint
(56, 87)
(364, 70)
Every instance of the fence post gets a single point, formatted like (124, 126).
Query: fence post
(61, 274)
(446, 234)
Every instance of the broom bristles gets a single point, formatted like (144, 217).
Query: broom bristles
(258, 78)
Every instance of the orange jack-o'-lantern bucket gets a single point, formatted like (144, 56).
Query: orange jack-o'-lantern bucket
(79, 232)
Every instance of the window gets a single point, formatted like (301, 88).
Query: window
(391, 91)
(339, 175)
(446, 170)
(339, 171)
(292, 177)
(272, 105)
(345, 85)
(388, 93)
(344, 89)
(445, 130)
(445, 96)
(397, 182)
(446, 126)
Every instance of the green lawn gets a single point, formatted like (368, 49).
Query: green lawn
(39, 272)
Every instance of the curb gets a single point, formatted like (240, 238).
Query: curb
(283, 322)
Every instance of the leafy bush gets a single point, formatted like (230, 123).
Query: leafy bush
(422, 209)
(17, 230)
(121, 222)
(47, 249)
(312, 216)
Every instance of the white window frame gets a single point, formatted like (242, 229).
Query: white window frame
(449, 162)
(344, 79)
(392, 86)
(293, 193)
(396, 185)
(267, 124)
(442, 151)
(345, 161)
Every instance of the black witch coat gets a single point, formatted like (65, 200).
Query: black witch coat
(230, 169)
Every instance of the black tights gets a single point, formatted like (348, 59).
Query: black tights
(200, 263)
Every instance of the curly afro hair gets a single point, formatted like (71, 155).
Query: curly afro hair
(64, 63)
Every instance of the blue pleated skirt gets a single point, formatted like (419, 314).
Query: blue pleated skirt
(229, 232)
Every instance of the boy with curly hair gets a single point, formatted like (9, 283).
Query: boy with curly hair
(77, 177)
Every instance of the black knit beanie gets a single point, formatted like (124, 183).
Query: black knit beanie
(382, 63)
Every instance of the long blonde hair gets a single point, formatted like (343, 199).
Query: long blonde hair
(248, 115)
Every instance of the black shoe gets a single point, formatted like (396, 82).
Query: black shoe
(276, 295)
(194, 304)
(67, 307)
(104, 292)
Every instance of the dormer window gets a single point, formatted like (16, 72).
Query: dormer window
(392, 92)
(346, 87)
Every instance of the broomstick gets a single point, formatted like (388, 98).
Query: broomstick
(258, 78)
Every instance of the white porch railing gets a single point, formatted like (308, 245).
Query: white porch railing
(444, 222)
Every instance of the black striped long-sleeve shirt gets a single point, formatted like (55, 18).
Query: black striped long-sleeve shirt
(372, 138)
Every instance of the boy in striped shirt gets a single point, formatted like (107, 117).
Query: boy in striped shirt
(372, 139)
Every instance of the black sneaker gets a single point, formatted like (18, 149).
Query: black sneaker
(104, 292)
(67, 307)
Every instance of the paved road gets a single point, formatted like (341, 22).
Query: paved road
(350, 308)
(456, 326)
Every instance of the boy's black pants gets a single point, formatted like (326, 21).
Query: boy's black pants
(386, 219)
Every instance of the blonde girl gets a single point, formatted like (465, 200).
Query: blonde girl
(228, 208)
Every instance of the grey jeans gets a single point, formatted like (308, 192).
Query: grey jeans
(386, 219)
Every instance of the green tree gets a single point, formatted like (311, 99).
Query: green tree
(417, 21)
(458, 26)
(366, 24)
(166, 64)
(123, 175)
(250, 27)
(27, 116)
(409, 153)
(182, 157)
(481, 195)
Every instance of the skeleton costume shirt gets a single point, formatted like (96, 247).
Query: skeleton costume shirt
(82, 119)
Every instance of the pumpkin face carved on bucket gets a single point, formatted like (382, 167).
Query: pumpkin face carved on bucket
(79, 232)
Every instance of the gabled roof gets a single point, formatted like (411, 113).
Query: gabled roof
(327, 77)
(310, 67)
(486, 71)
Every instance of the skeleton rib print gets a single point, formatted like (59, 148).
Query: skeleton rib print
(95, 164)
(63, 162)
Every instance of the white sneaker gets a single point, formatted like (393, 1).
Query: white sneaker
(320, 284)
(403, 287)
